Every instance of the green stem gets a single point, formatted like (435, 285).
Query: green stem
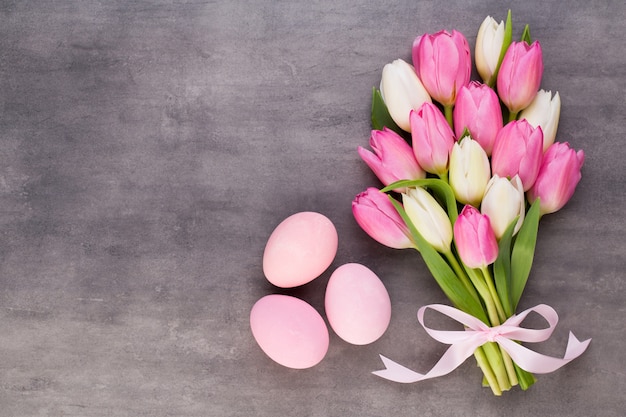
(461, 274)
(483, 363)
(512, 116)
(508, 362)
(447, 110)
(526, 379)
(497, 365)
(482, 289)
(494, 294)
(509, 365)
(443, 176)
(500, 361)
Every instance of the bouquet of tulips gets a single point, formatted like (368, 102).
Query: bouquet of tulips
(469, 168)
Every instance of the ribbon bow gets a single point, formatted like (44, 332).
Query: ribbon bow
(464, 343)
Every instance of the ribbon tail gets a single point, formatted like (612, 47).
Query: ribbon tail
(575, 347)
(538, 363)
(451, 359)
(397, 373)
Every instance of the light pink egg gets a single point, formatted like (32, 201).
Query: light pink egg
(300, 248)
(357, 303)
(289, 330)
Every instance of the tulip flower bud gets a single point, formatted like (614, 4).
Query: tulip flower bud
(503, 202)
(474, 238)
(520, 75)
(393, 159)
(544, 111)
(558, 176)
(518, 151)
(376, 215)
(478, 110)
(469, 171)
(432, 139)
(402, 91)
(429, 218)
(443, 63)
(488, 46)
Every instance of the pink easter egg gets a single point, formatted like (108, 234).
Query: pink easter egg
(357, 304)
(300, 249)
(289, 331)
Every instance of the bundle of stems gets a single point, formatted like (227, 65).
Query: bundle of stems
(490, 293)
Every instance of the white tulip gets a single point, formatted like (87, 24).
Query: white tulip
(402, 91)
(488, 47)
(429, 218)
(544, 111)
(469, 171)
(503, 202)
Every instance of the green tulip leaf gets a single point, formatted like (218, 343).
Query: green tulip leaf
(502, 269)
(380, 115)
(526, 35)
(523, 253)
(525, 378)
(465, 134)
(448, 281)
(508, 37)
(441, 189)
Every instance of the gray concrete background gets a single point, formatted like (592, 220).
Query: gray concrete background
(148, 149)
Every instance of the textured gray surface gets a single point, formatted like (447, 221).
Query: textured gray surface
(148, 148)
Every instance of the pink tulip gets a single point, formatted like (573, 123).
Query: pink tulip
(475, 240)
(378, 218)
(518, 150)
(520, 75)
(432, 139)
(393, 158)
(478, 110)
(558, 176)
(443, 64)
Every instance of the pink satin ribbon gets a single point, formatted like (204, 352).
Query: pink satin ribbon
(464, 343)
